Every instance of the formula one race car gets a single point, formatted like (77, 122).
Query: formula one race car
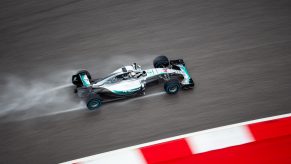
(131, 81)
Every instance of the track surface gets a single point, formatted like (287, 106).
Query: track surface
(238, 53)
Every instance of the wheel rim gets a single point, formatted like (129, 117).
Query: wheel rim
(94, 104)
(173, 89)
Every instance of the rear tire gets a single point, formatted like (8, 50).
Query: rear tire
(94, 102)
(172, 86)
(161, 62)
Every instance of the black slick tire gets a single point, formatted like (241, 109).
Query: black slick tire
(172, 86)
(161, 62)
(93, 102)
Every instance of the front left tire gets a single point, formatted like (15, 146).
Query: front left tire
(161, 62)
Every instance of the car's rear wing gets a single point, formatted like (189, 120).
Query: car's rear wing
(81, 79)
(85, 80)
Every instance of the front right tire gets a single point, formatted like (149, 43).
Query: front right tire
(172, 86)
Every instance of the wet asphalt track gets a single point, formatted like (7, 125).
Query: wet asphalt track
(238, 52)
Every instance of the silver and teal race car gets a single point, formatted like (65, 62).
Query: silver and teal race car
(131, 81)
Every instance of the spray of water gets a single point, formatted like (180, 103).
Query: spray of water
(144, 97)
(52, 94)
(29, 98)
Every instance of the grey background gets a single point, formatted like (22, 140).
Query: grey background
(237, 51)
